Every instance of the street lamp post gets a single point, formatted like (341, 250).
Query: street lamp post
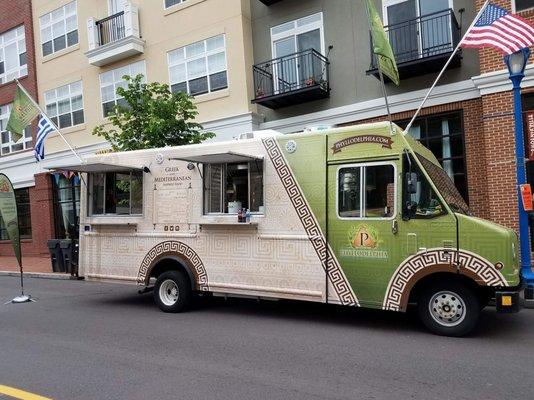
(516, 64)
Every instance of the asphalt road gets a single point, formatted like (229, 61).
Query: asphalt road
(84, 340)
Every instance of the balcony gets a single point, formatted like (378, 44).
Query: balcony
(422, 45)
(269, 2)
(115, 37)
(293, 79)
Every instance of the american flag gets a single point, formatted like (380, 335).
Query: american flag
(501, 30)
(44, 128)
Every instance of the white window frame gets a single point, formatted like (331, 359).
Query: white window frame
(205, 55)
(26, 140)
(53, 96)
(362, 190)
(174, 5)
(117, 82)
(296, 30)
(387, 3)
(223, 183)
(90, 191)
(19, 39)
(514, 10)
(50, 23)
(115, 6)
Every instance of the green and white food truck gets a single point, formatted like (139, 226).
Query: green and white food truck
(357, 216)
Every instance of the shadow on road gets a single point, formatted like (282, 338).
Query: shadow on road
(490, 325)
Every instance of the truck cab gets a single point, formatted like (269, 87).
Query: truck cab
(402, 232)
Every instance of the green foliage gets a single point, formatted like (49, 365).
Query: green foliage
(151, 117)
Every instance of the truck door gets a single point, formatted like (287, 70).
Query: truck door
(366, 229)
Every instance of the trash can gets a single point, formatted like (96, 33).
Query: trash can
(56, 257)
(66, 252)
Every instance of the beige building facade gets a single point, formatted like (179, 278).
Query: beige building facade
(181, 43)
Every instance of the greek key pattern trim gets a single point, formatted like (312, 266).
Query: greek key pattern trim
(173, 247)
(440, 256)
(310, 224)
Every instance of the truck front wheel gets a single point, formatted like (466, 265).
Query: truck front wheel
(449, 308)
(172, 292)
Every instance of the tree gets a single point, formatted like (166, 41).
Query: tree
(151, 116)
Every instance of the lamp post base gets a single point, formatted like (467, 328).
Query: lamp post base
(528, 279)
(21, 299)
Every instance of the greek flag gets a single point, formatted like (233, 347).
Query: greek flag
(44, 128)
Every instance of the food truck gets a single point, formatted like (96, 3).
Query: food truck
(361, 216)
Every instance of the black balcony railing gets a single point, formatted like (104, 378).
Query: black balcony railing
(110, 29)
(292, 79)
(420, 44)
(269, 2)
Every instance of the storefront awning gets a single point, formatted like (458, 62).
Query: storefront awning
(219, 158)
(95, 167)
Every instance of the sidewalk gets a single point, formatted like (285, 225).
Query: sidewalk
(29, 264)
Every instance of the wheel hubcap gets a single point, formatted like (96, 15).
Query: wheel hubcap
(168, 292)
(447, 308)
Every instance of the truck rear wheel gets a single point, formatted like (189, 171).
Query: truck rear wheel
(449, 308)
(172, 292)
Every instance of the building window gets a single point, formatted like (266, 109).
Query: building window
(443, 135)
(7, 145)
(111, 80)
(199, 67)
(522, 5)
(115, 6)
(64, 105)
(232, 186)
(59, 29)
(13, 60)
(24, 216)
(419, 28)
(290, 39)
(298, 35)
(170, 3)
(116, 193)
(366, 191)
(66, 198)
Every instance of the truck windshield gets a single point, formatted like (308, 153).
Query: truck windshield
(445, 186)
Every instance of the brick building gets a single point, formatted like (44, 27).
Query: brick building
(17, 61)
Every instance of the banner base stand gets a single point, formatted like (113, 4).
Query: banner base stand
(21, 299)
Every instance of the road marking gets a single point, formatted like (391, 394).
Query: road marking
(20, 394)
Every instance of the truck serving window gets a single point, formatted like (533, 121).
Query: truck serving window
(116, 193)
(366, 191)
(229, 187)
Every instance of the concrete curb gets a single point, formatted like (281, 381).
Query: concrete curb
(41, 275)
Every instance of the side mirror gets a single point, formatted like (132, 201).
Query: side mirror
(411, 182)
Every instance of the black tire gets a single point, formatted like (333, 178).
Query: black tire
(449, 308)
(172, 292)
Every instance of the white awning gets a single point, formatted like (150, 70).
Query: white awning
(219, 158)
(95, 167)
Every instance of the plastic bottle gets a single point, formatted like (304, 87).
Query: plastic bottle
(247, 216)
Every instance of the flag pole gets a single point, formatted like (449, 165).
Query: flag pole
(391, 130)
(51, 122)
(444, 68)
